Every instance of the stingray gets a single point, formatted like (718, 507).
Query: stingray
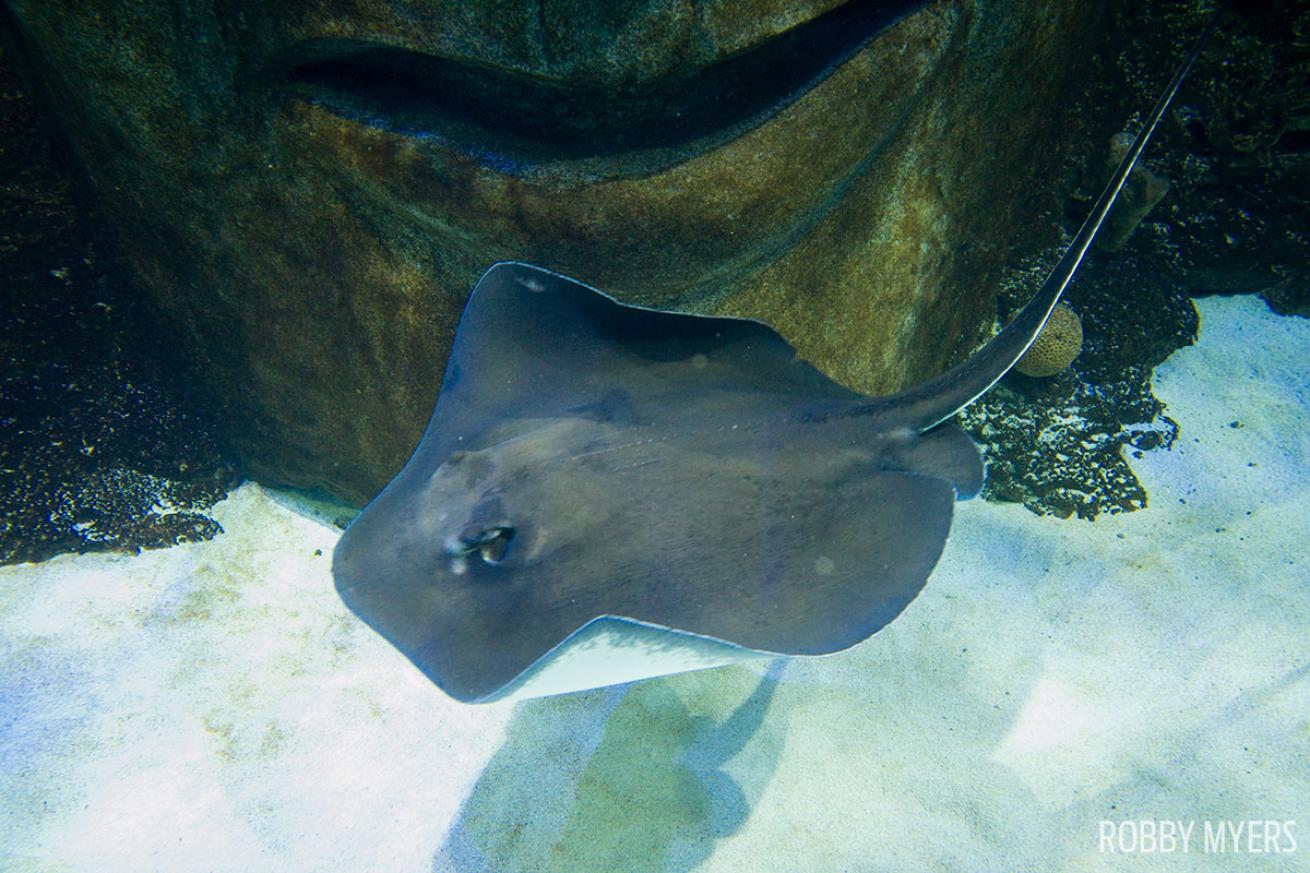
(606, 492)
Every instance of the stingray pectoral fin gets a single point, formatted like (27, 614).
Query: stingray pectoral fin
(946, 452)
(823, 570)
(533, 343)
(837, 565)
(776, 567)
(772, 566)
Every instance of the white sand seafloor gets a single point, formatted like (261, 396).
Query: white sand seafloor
(214, 706)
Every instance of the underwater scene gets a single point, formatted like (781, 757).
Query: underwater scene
(581, 437)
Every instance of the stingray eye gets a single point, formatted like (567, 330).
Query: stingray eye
(495, 544)
(489, 543)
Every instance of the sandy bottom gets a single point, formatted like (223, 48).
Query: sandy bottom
(214, 707)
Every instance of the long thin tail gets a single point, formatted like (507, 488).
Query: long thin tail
(936, 400)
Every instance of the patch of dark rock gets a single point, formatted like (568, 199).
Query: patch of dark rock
(99, 446)
(1056, 445)
(1233, 221)
(1239, 210)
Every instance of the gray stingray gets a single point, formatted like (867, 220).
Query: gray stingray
(603, 486)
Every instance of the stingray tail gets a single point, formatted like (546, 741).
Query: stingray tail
(936, 400)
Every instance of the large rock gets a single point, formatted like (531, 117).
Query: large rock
(309, 191)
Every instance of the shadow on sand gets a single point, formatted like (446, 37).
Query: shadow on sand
(631, 779)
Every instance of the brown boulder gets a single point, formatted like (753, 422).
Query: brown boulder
(308, 191)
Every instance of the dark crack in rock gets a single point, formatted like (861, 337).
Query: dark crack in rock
(98, 448)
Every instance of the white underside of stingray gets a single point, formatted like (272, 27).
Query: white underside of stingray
(611, 651)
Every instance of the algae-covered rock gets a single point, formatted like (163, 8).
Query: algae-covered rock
(308, 191)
